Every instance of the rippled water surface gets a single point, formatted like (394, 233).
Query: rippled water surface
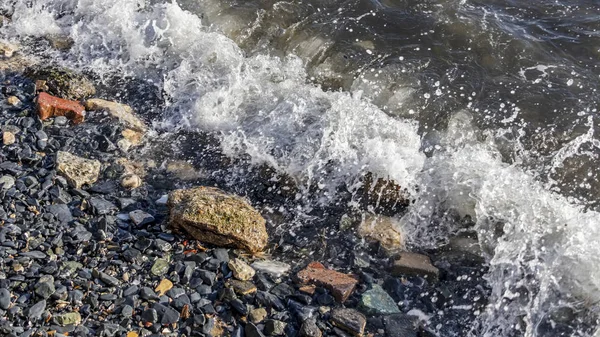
(484, 110)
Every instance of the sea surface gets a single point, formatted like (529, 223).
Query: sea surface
(483, 110)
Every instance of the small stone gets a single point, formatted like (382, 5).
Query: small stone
(414, 264)
(162, 200)
(274, 327)
(4, 298)
(377, 301)
(8, 138)
(341, 285)
(45, 287)
(131, 181)
(150, 316)
(78, 171)
(132, 334)
(50, 106)
(140, 218)
(384, 230)
(213, 216)
(258, 315)
(160, 267)
(169, 316)
(13, 100)
(241, 270)
(35, 311)
(310, 329)
(101, 206)
(252, 331)
(164, 286)
(274, 268)
(68, 318)
(349, 320)
(108, 280)
(242, 287)
(122, 112)
(400, 325)
(6, 182)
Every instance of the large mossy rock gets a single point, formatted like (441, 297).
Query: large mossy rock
(213, 216)
(63, 82)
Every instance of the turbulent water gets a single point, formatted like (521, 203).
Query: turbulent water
(482, 109)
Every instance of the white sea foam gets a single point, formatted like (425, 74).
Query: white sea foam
(262, 106)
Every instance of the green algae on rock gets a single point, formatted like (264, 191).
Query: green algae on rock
(216, 217)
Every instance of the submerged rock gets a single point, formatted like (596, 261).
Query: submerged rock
(341, 285)
(382, 229)
(274, 268)
(50, 106)
(383, 196)
(213, 216)
(78, 171)
(414, 264)
(62, 82)
(124, 113)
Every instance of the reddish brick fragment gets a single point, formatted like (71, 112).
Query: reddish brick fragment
(341, 285)
(50, 106)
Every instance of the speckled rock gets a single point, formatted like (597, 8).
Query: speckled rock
(122, 112)
(213, 216)
(78, 171)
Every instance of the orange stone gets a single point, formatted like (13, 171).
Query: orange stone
(51, 106)
(341, 285)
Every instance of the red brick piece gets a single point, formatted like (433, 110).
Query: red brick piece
(341, 285)
(50, 106)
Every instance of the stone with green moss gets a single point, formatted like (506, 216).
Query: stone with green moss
(377, 301)
(216, 217)
(70, 318)
(160, 267)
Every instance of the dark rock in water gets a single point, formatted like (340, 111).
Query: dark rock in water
(213, 216)
(122, 112)
(140, 218)
(310, 329)
(341, 285)
(282, 290)
(63, 82)
(414, 264)
(400, 325)
(4, 298)
(383, 196)
(252, 331)
(349, 320)
(102, 206)
(269, 300)
(35, 311)
(377, 302)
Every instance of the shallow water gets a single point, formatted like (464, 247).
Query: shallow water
(483, 110)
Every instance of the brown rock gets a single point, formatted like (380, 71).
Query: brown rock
(213, 216)
(310, 329)
(414, 264)
(242, 287)
(62, 82)
(341, 285)
(382, 229)
(258, 315)
(241, 270)
(50, 106)
(349, 320)
(78, 171)
(8, 138)
(13, 100)
(124, 113)
(183, 170)
(134, 137)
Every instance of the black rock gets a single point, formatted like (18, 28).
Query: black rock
(349, 320)
(282, 290)
(35, 311)
(269, 300)
(221, 254)
(252, 331)
(239, 306)
(101, 206)
(400, 325)
(207, 277)
(140, 218)
(109, 280)
(150, 316)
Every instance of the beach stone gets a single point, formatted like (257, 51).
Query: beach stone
(400, 325)
(35, 311)
(252, 331)
(44, 288)
(213, 216)
(383, 196)
(131, 181)
(7, 182)
(8, 138)
(78, 171)
(124, 113)
(13, 100)
(101, 206)
(132, 137)
(140, 218)
(59, 41)
(349, 320)
(242, 287)
(160, 267)
(108, 280)
(169, 316)
(63, 82)
(270, 267)
(310, 329)
(150, 316)
(241, 270)
(274, 327)
(61, 212)
(377, 301)
(258, 315)
(4, 298)
(341, 285)
(382, 229)
(50, 106)
(414, 264)
(164, 286)
(68, 318)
